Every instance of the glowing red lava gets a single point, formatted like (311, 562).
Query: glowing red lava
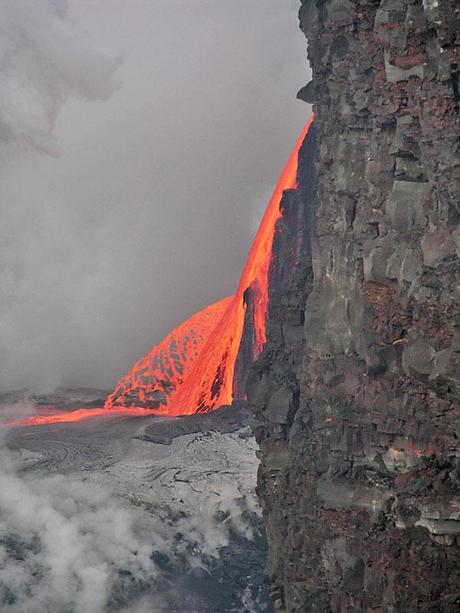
(59, 417)
(162, 371)
(210, 383)
(193, 369)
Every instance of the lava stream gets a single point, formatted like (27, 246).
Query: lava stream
(210, 383)
(72, 416)
(193, 369)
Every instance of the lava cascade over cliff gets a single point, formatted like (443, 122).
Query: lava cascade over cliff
(195, 368)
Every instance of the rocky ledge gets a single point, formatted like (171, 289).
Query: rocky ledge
(356, 396)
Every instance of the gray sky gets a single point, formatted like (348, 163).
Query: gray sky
(146, 212)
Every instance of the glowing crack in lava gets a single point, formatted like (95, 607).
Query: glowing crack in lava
(194, 369)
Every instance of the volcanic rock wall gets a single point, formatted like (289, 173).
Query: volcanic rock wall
(356, 395)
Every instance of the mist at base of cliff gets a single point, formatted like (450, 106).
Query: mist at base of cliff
(140, 514)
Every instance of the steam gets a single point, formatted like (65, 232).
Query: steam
(148, 212)
(15, 410)
(84, 542)
(44, 60)
(63, 544)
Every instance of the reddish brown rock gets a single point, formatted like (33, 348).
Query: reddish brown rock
(356, 396)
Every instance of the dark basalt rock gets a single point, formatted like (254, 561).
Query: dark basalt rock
(356, 395)
(307, 93)
(224, 419)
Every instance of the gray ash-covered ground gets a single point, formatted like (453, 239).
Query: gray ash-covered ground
(144, 514)
(61, 398)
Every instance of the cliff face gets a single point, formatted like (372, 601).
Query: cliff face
(356, 395)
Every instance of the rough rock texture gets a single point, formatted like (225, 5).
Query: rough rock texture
(356, 396)
(153, 508)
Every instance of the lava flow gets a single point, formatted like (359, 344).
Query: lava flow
(157, 375)
(49, 415)
(208, 377)
(194, 368)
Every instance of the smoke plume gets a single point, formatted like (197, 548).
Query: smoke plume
(63, 544)
(44, 60)
(89, 541)
(145, 209)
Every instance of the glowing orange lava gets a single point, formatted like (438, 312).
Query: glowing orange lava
(72, 416)
(164, 369)
(193, 369)
(210, 383)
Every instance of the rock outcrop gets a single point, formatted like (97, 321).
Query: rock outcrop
(356, 395)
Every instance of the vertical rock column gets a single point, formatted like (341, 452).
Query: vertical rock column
(357, 406)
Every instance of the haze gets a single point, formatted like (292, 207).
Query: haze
(137, 206)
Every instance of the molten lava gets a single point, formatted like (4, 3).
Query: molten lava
(199, 376)
(49, 415)
(164, 369)
(194, 368)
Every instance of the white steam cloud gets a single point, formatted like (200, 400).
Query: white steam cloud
(147, 214)
(44, 60)
(92, 541)
(63, 544)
